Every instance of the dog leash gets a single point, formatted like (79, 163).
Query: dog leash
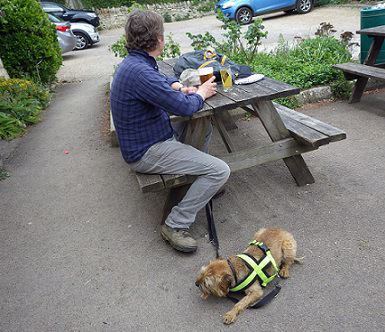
(213, 238)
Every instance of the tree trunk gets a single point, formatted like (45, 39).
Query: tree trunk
(3, 71)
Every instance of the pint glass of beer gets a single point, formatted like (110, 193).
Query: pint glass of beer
(227, 79)
(205, 73)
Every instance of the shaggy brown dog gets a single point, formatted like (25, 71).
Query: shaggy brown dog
(217, 278)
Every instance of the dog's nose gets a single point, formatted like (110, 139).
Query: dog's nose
(196, 283)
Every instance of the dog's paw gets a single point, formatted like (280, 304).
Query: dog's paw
(229, 317)
(284, 273)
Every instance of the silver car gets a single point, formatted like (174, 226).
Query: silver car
(65, 36)
(86, 34)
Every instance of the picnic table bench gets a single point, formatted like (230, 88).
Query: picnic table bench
(362, 72)
(292, 134)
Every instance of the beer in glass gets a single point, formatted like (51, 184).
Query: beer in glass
(227, 79)
(205, 73)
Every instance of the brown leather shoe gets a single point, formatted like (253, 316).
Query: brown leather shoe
(179, 238)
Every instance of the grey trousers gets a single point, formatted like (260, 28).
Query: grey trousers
(173, 157)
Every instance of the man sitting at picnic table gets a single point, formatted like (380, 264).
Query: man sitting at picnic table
(141, 99)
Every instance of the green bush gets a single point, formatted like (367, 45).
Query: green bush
(171, 48)
(167, 17)
(29, 46)
(306, 65)
(21, 102)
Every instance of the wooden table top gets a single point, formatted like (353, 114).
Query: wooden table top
(376, 31)
(239, 95)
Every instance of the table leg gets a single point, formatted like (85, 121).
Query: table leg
(276, 129)
(221, 126)
(194, 135)
(370, 60)
(227, 120)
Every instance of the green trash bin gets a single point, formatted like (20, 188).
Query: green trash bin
(371, 17)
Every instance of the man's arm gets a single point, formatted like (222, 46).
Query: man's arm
(154, 88)
(171, 80)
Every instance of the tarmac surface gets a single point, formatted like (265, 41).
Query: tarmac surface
(80, 248)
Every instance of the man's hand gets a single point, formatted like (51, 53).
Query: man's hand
(185, 89)
(207, 89)
(189, 90)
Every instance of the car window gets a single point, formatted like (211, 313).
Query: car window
(51, 7)
(54, 19)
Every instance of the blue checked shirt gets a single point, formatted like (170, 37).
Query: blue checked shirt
(141, 99)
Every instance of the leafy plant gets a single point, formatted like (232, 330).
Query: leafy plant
(167, 17)
(29, 89)
(202, 42)
(171, 48)
(3, 174)
(119, 48)
(341, 88)
(29, 46)
(21, 102)
(10, 127)
(135, 5)
(20, 107)
(182, 17)
(244, 45)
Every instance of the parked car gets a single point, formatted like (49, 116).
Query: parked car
(71, 15)
(66, 38)
(86, 34)
(243, 11)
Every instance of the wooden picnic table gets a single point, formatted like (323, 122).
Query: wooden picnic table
(362, 72)
(305, 133)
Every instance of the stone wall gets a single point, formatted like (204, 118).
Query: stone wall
(3, 72)
(116, 17)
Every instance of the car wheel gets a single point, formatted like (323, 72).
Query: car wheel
(82, 41)
(244, 15)
(304, 6)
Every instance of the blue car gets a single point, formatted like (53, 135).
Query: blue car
(243, 10)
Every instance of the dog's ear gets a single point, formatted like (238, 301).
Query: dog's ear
(225, 283)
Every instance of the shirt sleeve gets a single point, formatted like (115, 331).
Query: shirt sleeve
(154, 88)
(171, 80)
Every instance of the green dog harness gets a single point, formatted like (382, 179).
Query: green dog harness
(257, 268)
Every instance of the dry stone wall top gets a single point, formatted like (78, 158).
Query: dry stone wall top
(116, 17)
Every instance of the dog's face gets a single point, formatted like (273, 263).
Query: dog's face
(214, 279)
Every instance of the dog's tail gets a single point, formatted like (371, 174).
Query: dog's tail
(299, 260)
